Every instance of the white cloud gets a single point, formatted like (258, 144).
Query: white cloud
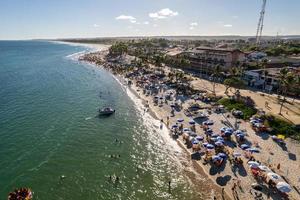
(155, 25)
(227, 25)
(146, 22)
(163, 13)
(192, 28)
(194, 24)
(235, 16)
(125, 17)
(96, 26)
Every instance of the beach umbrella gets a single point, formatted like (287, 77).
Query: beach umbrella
(283, 187)
(180, 120)
(192, 133)
(227, 134)
(199, 138)
(214, 139)
(209, 130)
(186, 129)
(156, 97)
(192, 122)
(219, 143)
(240, 135)
(161, 98)
(216, 158)
(264, 168)
(172, 105)
(255, 150)
(237, 154)
(239, 132)
(220, 138)
(274, 177)
(223, 129)
(229, 130)
(244, 146)
(196, 142)
(214, 135)
(205, 144)
(210, 146)
(222, 155)
(175, 126)
(253, 164)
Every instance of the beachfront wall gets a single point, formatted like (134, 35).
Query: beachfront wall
(204, 59)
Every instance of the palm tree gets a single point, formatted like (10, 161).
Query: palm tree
(264, 64)
(286, 79)
(216, 74)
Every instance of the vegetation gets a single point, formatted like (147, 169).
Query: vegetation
(215, 75)
(231, 104)
(118, 49)
(285, 49)
(280, 126)
(233, 82)
(287, 79)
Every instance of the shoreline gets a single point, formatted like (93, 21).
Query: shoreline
(206, 169)
(197, 167)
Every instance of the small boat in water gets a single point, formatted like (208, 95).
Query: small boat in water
(106, 111)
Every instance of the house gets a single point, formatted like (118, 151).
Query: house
(256, 78)
(203, 59)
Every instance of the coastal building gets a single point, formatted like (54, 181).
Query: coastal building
(256, 78)
(203, 59)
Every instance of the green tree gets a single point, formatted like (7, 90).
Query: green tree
(286, 79)
(215, 75)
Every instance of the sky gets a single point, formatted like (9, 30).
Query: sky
(50, 19)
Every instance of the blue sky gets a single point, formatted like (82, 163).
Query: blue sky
(27, 19)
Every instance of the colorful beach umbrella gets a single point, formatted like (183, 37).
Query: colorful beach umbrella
(229, 130)
(210, 146)
(237, 154)
(214, 135)
(274, 177)
(240, 135)
(227, 133)
(222, 155)
(216, 158)
(264, 168)
(220, 138)
(219, 143)
(192, 122)
(175, 126)
(186, 129)
(205, 144)
(245, 146)
(180, 120)
(253, 164)
(196, 142)
(192, 133)
(199, 138)
(255, 150)
(283, 187)
(223, 129)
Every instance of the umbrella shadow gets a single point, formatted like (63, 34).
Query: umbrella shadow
(263, 135)
(223, 180)
(230, 143)
(196, 156)
(217, 169)
(200, 120)
(242, 171)
(292, 156)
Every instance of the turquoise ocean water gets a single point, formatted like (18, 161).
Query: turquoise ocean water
(49, 128)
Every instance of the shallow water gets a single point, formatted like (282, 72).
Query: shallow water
(49, 128)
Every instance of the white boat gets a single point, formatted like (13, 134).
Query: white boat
(106, 111)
